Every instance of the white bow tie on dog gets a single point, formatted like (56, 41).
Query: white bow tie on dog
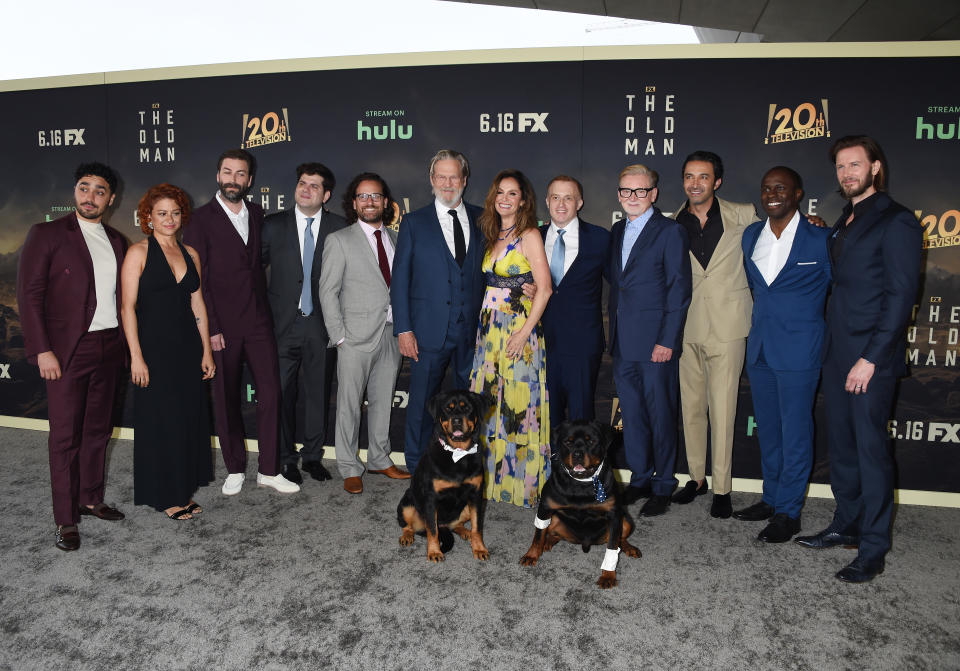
(457, 453)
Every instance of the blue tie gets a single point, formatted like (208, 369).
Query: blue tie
(557, 258)
(306, 291)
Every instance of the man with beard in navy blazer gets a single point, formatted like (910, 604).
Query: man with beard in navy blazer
(788, 270)
(578, 253)
(436, 292)
(650, 290)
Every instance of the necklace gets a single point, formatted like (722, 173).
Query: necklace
(506, 231)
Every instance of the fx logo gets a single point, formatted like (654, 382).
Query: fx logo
(950, 432)
(535, 122)
(60, 138)
(5, 371)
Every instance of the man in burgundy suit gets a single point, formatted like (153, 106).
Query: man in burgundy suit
(67, 286)
(226, 234)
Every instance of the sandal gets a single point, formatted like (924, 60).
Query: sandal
(194, 508)
(180, 515)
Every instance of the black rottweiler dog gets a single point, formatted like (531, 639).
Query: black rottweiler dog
(581, 501)
(446, 489)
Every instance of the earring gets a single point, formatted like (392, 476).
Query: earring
(150, 225)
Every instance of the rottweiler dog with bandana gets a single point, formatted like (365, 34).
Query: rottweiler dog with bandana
(581, 501)
(446, 490)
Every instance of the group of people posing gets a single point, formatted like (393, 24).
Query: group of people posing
(511, 309)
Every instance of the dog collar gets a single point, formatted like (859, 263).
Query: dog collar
(599, 491)
(457, 453)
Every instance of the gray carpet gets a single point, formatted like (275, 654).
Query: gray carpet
(318, 580)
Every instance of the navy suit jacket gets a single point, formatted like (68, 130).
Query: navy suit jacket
(875, 282)
(649, 297)
(573, 320)
(787, 323)
(420, 297)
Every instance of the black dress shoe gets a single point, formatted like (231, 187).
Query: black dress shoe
(756, 513)
(657, 505)
(781, 529)
(689, 492)
(317, 471)
(103, 511)
(292, 473)
(632, 494)
(827, 539)
(861, 570)
(68, 538)
(721, 507)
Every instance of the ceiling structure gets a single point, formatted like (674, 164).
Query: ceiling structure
(778, 20)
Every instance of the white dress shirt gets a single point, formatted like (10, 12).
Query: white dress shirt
(369, 231)
(770, 253)
(104, 274)
(315, 229)
(571, 241)
(241, 221)
(446, 225)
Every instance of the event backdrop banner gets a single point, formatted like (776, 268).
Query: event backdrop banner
(586, 118)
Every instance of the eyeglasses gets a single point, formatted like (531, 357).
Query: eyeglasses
(641, 192)
(364, 197)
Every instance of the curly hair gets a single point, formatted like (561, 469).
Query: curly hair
(159, 192)
(489, 221)
(350, 212)
(105, 172)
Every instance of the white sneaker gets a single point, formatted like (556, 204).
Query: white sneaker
(232, 484)
(278, 482)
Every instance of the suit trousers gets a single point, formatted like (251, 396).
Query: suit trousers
(375, 372)
(259, 350)
(861, 457)
(709, 385)
(426, 376)
(80, 407)
(648, 405)
(783, 404)
(572, 385)
(305, 357)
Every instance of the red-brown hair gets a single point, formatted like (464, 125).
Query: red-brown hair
(159, 192)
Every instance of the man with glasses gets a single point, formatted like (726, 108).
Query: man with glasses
(649, 294)
(354, 292)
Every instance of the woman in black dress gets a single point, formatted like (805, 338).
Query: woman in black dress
(165, 322)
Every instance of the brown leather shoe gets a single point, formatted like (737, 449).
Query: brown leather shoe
(68, 538)
(103, 511)
(393, 472)
(353, 485)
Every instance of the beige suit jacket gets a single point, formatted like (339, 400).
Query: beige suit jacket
(721, 304)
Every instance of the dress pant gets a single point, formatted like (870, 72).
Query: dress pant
(80, 407)
(304, 355)
(783, 405)
(259, 350)
(572, 385)
(375, 372)
(861, 457)
(709, 384)
(426, 376)
(648, 406)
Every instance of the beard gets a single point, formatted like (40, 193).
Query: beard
(856, 190)
(233, 197)
(373, 217)
(448, 201)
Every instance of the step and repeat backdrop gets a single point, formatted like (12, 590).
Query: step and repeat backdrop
(586, 118)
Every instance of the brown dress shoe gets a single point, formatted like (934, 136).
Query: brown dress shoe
(103, 511)
(393, 472)
(68, 538)
(353, 485)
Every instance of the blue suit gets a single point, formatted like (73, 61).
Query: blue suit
(784, 350)
(649, 297)
(573, 328)
(875, 280)
(439, 302)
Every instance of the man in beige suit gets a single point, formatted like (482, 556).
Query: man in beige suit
(715, 335)
(355, 300)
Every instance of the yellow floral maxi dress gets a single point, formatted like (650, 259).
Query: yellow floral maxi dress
(517, 450)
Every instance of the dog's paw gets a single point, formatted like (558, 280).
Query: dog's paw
(607, 579)
(406, 539)
(463, 532)
(436, 557)
(481, 553)
(631, 551)
(529, 560)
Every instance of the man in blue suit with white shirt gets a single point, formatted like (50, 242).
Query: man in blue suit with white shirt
(788, 271)
(436, 293)
(573, 322)
(650, 290)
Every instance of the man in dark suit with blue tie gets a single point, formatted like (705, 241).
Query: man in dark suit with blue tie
(650, 291)
(875, 250)
(573, 322)
(292, 248)
(436, 293)
(788, 271)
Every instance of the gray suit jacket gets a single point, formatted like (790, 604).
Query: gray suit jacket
(353, 295)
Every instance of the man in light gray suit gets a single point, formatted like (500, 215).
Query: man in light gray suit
(355, 300)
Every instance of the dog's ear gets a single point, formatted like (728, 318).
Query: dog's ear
(604, 432)
(480, 403)
(433, 405)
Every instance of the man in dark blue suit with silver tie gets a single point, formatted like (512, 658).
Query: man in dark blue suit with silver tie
(650, 291)
(573, 322)
(788, 271)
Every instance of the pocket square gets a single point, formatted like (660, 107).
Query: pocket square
(806, 263)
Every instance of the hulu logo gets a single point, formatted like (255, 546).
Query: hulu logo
(943, 132)
(391, 131)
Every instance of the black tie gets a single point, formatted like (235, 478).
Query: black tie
(459, 246)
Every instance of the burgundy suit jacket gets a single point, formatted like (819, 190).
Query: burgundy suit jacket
(234, 287)
(56, 293)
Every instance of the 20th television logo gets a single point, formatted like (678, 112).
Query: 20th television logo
(265, 129)
(803, 122)
(940, 231)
